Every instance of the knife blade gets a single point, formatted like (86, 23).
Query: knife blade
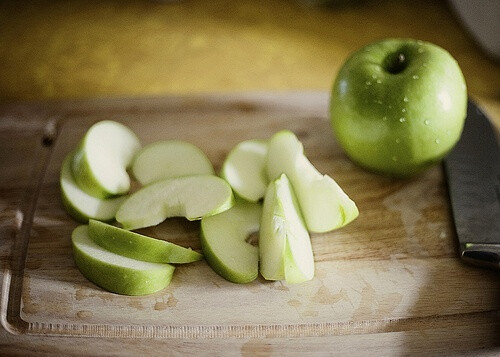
(472, 171)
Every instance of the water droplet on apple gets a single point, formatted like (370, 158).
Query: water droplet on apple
(420, 42)
(426, 122)
(374, 76)
(405, 99)
(384, 118)
(424, 65)
(415, 76)
(379, 81)
(437, 141)
(403, 110)
(398, 141)
(377, 101)
(420, 50)
(390, 106)
(394, 158)
(402, 119)
(368, 83)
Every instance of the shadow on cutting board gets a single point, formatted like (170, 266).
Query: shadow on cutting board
(464, 321)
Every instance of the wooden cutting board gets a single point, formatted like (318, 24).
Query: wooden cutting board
(394, 269)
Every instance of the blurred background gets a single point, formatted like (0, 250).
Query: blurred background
(85, 49)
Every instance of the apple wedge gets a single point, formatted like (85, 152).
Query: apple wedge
(104, 154)
(138, 246)
(245, 169)
(192, 197)
(324, 204)
(79, 204)
(284, 244)
(223, 240)
(168, 159)
(114, 272)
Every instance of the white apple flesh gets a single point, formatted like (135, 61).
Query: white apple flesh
(245, 169)
(284, 244)
(324, 204)
(168, 159)
(223, 240)
(100, 163)
(79, 204)
(140, 247)
(192, 197)
(114, 272)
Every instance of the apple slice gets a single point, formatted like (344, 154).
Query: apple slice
(324, 204)
(192, 197)
(168, 159)
(223, 240)
(284, 244)
(114, 272)
(245, 169)
(138, 246)
(79, 204)
(105, 152)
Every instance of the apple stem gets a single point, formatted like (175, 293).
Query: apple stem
(396, 63)
(401, 58)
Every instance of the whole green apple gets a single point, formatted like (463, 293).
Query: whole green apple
(398, 106)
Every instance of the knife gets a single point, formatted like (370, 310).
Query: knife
(472, 171)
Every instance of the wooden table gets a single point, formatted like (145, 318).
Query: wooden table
(76, 51)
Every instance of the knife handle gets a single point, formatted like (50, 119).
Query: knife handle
(483, 255)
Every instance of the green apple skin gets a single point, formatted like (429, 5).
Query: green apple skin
(79, 204)
(285, 249)
(192, 197)
(168, 159)
(114, 272)
(398, 106)
(223, 240)
(103, 155)
(245, 169)
(137, 246)
(324, 205)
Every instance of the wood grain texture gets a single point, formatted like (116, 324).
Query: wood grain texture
(390, 282)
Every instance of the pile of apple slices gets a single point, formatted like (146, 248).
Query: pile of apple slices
(297, 200)
(178, 180)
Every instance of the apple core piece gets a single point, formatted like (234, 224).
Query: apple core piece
(284, 244)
